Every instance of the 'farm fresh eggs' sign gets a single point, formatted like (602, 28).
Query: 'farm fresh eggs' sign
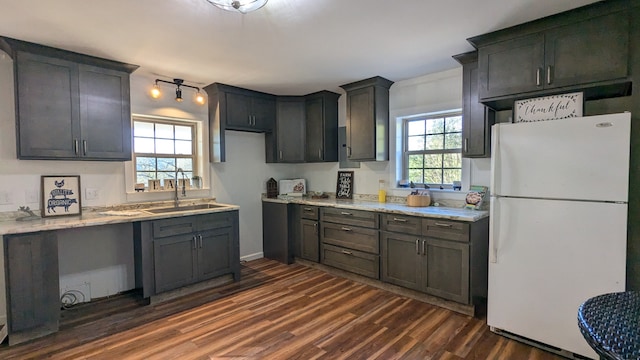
(548, 108)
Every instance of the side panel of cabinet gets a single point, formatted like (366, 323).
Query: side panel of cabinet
(476, 118)
(446, 270)
(401, 260)
(174, 262)
(47, 112)
(310, 241)
(215, 253)
(33, 297)
(589, 51)
(276, 235)
(105, 113)
(511, 67)
(361, 135)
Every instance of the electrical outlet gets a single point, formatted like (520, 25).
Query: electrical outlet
(31, 196)
(6, 198)
(91, 194)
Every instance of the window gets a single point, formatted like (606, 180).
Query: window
(160, 147)
(433, 149)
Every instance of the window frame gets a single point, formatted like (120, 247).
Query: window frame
(175, 122)
(406, 152)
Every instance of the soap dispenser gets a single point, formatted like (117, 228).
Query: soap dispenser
(382, 191)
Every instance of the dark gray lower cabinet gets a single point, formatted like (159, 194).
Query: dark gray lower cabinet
(401, 260)
(277, 231)
(446, 269)
(175, 252)
(309, 244)
(32, 282)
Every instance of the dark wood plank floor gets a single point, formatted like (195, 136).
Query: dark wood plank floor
(275, 312)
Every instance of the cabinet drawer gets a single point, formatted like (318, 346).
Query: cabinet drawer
(350, 217)
(351, 237)
(402, 224)
(174, 226)
(215, 220)
(309, 212)
(445, 229)
(351, 260)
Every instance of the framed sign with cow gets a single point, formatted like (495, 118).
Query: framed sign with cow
(60, 195)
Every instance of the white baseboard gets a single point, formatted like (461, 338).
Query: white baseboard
(258, 255)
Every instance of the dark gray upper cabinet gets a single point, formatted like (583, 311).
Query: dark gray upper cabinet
(368, 119)
(69, 106)
(286, 142)
(321, 127)
(477, 119)
(585, 49)
(234, 108)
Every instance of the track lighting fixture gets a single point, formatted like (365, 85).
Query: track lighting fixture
(242, 6)
(179, 83)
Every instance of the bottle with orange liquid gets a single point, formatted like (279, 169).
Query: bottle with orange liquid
(382, 191)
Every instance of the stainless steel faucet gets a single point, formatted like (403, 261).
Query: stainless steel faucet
(175, 187)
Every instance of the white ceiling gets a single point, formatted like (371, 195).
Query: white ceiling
(289, 47)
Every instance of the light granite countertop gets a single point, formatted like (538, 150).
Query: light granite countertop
(125, 213)
(440, 212)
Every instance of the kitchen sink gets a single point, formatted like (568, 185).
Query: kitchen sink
(184, 208)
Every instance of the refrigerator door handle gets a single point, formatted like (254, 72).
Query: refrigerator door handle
(494, 232)
(495, 160)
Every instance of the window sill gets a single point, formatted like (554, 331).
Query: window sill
(143, 196)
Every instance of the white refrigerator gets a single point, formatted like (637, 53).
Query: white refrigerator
(558, 225)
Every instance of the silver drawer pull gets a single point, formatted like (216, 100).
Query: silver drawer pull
(308, 209)
(400, 220)
(418, 246)
(346, 228)
(345, 213)
(347, 252)
(443, 225)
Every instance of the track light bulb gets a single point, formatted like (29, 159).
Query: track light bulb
(178, 95)
(155, 92)
(199, 98)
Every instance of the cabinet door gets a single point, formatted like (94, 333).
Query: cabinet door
(215, 251)
(314, 149)
(401, 259)
(105, 113)
(47, 107)
(361, 132)
(264, 113)
(33, 297)
(175, 261)
(477, 119)
(511, 67)
(445, 269)
(310, 243)
(238, 111)
(589, 51)
(290, 131)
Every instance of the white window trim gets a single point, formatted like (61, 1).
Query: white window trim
(396, 162)
(202, 164)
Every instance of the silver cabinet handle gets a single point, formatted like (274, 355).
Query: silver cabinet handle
(466, 144)
(315, 227)
(319, 153)
(307, 209)
(443, 225)
(400, 220)
(345, 213)
(549, 70)
(418, 246)
(194, 240)
(424, 248)
(84, 147)
(347, 252)
(75, 146)
(280, 154)
(538, 76)
(344, 228)
(200, 238)
(348, 151)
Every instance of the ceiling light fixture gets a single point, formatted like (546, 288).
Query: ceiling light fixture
(242, 6)
(155, 91)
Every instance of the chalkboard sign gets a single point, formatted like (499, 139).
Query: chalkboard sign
(344, 188)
